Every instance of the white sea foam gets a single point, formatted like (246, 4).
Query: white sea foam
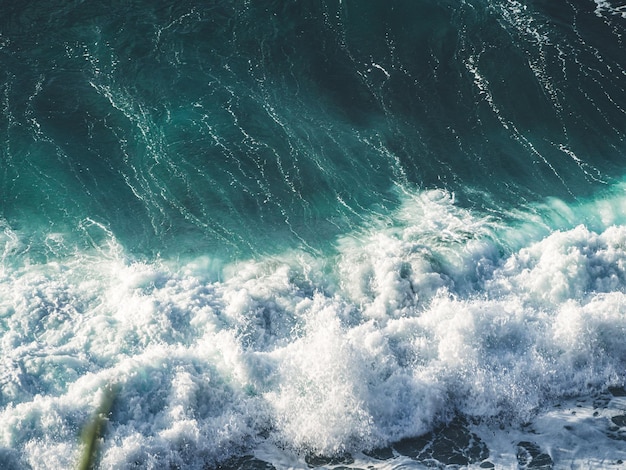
(434, 311)
(604, 6)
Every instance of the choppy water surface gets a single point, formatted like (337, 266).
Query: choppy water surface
(291, 234)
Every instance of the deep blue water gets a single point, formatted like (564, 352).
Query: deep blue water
(315, 226)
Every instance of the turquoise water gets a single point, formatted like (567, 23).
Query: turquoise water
(287, 229)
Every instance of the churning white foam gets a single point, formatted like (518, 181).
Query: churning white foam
(431, 312)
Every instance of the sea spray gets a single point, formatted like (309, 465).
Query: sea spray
(424, 318)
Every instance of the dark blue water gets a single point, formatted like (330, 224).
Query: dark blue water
(233, 127)
(261, 218)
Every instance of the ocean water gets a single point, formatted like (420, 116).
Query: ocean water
(323, 233)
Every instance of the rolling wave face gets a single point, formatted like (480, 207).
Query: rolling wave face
(226, 127)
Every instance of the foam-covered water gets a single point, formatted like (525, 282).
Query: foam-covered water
(322, 234)
(411, 321)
